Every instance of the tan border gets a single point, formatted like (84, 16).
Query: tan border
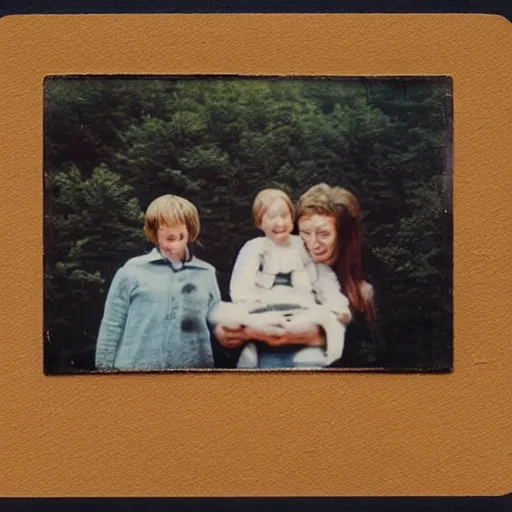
(280, 434)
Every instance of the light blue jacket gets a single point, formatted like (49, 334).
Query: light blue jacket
(155, 315)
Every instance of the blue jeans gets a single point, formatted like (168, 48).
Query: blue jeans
(277, 357)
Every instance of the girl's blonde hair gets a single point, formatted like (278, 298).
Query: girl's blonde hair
(170, 210)
(263, 201)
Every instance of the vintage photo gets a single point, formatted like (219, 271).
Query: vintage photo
(247, 223)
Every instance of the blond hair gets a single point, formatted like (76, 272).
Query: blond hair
(263, 201)
(170, 210)
(326, 200)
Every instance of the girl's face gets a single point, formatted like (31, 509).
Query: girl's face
(277, 222)
(320, 236)
(172, 241)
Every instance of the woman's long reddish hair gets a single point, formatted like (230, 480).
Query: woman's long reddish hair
(343, 206)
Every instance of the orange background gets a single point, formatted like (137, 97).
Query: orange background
(228, 434)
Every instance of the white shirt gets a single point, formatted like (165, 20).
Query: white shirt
(260, 260)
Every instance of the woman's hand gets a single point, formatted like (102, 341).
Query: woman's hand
(233, 337)
(275, 336)
(230, 337)
(311, 335)
(344, 317)
(366, 290)
(367, 293)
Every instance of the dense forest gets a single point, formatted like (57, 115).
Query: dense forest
(113, 144)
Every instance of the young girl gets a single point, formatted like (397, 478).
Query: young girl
(156, 308)
(275, 284)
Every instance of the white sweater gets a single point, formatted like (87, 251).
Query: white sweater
(260, 260)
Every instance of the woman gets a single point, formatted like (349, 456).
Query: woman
(329, 223)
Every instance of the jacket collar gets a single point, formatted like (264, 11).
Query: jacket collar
(155, 256)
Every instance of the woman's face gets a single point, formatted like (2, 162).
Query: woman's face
(320, 236)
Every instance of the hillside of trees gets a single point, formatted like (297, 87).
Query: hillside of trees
(111, 145)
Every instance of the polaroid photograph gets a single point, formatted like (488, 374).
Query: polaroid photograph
(255, 255)
(244, 222)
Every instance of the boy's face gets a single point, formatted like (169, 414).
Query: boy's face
(277, 222)
(172, 241)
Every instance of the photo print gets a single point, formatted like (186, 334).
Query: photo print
(247, 223)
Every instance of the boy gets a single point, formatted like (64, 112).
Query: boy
(157, 305)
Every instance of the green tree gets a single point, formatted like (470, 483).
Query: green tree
(92, 225)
